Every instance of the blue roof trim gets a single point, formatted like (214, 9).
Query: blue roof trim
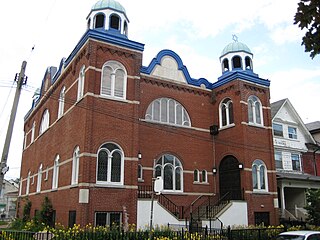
(243, 75)
(166, 52)
(106, 36)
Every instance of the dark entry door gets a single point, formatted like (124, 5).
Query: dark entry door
(229, 178)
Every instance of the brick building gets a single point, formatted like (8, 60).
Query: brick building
(103, 127)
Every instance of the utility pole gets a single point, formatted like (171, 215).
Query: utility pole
(21, 80)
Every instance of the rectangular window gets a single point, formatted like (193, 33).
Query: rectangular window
(292, 132)
(107, 218)
(72, 218)
(278, 158)
(295, 162)
(277, 129)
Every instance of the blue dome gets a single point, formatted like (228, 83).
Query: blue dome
(103, 4)
(235, 47)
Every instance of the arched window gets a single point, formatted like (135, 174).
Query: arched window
(99, 20)
(140, 176)
(75, 165)
(226, 112)
(39, 180)
(44, 122)
(204, 176)
(248, 63)
(55, 175)
(114, 80)
(170, 169)
(196, 175)
(167, 110)
(114, 22)
(236, 62)
(110, 164)
(81, 83)
(255, 111)
(225, 65)
(28, 183)
(61, 102)
(125, 28)
(32, 131)
(259, 176)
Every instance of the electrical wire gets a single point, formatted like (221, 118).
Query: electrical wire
(161, 127)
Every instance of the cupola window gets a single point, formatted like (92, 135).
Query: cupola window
(99, 23)
(225, 65)
(236, 61)
(125, 28)
(115, 22)
(248, 63)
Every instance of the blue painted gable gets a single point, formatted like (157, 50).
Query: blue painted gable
(157, 61)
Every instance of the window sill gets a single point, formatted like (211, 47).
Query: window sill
(227, 126)
(255, 125)
(108, 185)
(201, 183)
(140, 180)
(260, 192)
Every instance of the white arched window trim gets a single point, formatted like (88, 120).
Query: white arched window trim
(45, 121)
(175, 166)
(255, 112)
(39, 180)
(168, 111)
(114, 80)
(228, 104)
(81, 83)
(61, 102)
(259, 173)
(75, 166)
(28, 183)
(109, 164)
(55, 175)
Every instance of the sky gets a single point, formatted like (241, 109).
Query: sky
(196, 30)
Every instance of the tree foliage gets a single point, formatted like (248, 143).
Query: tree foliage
(308, 17)
(46, 212)
(313, 206)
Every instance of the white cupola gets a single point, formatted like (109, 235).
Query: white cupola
(108, 15)
(236, 56)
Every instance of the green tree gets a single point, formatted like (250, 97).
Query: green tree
(46, 212)
(313, 206)
(308, 17)
(26, 210)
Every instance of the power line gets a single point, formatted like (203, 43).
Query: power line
(155, 125)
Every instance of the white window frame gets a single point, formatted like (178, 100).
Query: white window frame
(228, 111)
(259, 164)
(109, 165)
(299, 159)
(28, 183)
(75, 166)
(204, 176)
(175, 166)
(273, 129)
(196, 175)
(252, 110)
(167, 110)
(81, 80)
(114, 67)
(45, 122)
(39, 180)
(61, 102)
(55, 174)
(32, 131)
(278, 153)
(292, 135)
(140, 173)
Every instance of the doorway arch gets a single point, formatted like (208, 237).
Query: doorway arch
(229, 178)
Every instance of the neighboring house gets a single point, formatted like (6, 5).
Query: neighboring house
(295, 175)
(8, 198)
(103, 127)
(314, 155)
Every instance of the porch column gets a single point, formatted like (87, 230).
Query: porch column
(283, 204)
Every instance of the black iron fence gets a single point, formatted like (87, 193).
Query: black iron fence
(204, 233)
